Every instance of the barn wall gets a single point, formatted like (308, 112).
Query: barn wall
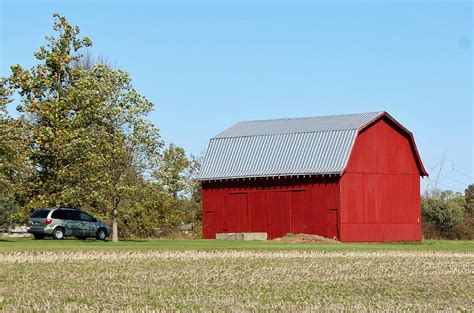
(276, 206)
(380, 189)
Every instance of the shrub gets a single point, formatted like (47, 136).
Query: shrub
(445, 209)
(465, 230)
(430, 231)
(447, 215)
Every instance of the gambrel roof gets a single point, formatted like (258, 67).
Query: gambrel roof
(287, 147)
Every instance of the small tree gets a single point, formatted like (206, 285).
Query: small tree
(194, 187)
(171, 172)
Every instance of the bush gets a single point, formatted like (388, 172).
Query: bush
(445, 209)
(446, 216)
(430, 231)
(463, 231)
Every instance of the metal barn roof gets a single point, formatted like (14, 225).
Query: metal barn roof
(294, 146)
(299, 125)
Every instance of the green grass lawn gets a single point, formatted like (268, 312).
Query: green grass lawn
(29, 244)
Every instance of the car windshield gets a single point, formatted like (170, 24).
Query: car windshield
(40, 213)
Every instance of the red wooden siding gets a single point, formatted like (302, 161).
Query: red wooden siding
(276, 206)
(380, 188)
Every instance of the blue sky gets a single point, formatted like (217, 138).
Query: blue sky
(208, 65)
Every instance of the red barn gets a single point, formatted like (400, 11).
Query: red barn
(355, 177)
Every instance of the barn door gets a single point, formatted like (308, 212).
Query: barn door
(278, 217)
(297, 216)
(236, 214)
(268, 212)
(258, 212)
(331, 223)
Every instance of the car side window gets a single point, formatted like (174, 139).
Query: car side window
(71, 215)
(86, 217)
(58, 214)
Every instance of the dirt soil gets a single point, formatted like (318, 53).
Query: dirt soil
(304, 238)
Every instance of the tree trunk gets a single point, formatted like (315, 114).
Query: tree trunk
(114, 229)
(115, 220)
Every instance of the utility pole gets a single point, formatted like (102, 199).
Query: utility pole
(439, 172)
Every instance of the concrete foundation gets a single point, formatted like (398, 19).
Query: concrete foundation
(241, 236)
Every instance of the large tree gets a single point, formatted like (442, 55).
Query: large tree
(91, 141)
(43, 91)
(14, 166)
(128, 141)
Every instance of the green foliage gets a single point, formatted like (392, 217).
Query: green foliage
(83, 140)
(14, 166)
(176, 174)
(171, 170)
(193, 186)
(469, 196)
(128, 143)
(444, 209)
(146, 212)
(44, 92)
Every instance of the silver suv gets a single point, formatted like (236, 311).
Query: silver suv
(63, 222)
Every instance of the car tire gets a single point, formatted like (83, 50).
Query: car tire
(38, 236)
(101, 234)
(58, 233)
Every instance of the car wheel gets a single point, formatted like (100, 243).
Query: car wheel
(38, 236)
(58, 233)
(101, 234)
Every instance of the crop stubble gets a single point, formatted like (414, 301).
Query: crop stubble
(236, 280)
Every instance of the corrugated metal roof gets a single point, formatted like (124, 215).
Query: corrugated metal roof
(297, 146)
(299, 125)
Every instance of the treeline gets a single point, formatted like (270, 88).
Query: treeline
(81, 138)
(448, 214)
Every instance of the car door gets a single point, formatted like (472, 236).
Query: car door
(87, 225)
(71, 220)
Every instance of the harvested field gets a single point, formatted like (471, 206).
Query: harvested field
(236, 280)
